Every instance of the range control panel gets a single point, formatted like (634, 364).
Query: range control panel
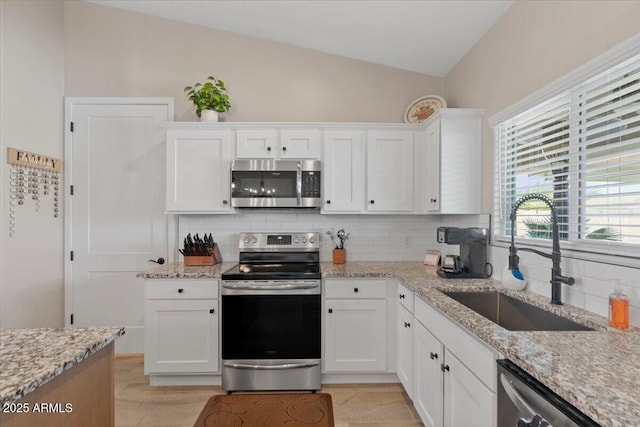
(279, 241)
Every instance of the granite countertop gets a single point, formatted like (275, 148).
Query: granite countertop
(31, 357)
(177, 270)
(596, 371)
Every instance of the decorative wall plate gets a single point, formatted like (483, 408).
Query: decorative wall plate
(420, 109)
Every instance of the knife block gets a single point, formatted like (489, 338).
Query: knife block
(339, 256)
(213, 258)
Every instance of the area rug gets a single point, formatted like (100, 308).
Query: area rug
(267, 410)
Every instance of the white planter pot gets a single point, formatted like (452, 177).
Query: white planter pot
(208, 116)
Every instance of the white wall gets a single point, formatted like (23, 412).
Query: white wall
(31, 118)
(113, 52)
(533, 44)
(373, 237)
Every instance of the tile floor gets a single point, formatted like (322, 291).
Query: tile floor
(354, 405)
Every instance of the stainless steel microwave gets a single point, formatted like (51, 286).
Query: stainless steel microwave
(268, 183)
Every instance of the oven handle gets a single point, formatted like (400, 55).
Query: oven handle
(299, 184)
(272, 367)
(270, 287)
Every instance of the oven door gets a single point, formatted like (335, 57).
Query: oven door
(271, 335)
(270, 325)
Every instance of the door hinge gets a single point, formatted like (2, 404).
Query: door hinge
(71, 190)
(71, 319)
(71, 255)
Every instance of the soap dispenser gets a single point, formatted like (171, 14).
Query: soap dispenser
(618, 310)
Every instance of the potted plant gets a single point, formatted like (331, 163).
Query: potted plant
(209, 98)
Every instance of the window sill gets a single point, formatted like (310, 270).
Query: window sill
(602, 252)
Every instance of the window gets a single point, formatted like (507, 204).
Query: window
(580, 148)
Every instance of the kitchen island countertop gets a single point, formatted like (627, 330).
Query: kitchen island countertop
(29, 358)
(596, 371)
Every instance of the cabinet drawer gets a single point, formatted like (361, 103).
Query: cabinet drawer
(405, 297)
(355, 288)
(181, 289)
(480, 359)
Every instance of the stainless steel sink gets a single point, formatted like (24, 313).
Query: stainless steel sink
(513, 314)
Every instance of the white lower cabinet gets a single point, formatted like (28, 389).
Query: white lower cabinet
(405, 328)
(355, 338)
(454, 374)
(181, 327)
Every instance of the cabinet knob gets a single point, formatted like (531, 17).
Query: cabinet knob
(355, 289)
(284, 148)
(401, 296)
(434, 200)
(433, 356)
(328, 202)
(330, 310)
(268, 148)
(158, 261)
(444, 367)
(224, 202)
(180, 290)
(372, 201)
(407, 324)
(212, 311)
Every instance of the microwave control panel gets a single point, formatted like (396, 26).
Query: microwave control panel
(311, 184)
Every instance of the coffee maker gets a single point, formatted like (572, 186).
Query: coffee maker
(472, 261)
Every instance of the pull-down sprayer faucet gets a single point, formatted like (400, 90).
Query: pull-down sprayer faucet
(556, 274)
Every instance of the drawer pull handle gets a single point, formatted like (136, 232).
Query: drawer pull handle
(330, 310)
(401, 296)
(212, 311)
(444, 367)
(355, 289)
(180, 290)
(407, 325)
(433, 356)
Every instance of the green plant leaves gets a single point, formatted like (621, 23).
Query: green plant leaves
(209, 96)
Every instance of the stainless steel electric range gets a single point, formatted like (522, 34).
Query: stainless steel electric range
(271, 321)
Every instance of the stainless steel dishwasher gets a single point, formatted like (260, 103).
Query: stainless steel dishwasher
(523, 401)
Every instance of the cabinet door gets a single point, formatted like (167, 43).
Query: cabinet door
(428, 354)
(355, 338)
(256, 143)
(433, 166)
(181, 336)
(405, 349)
(343, 172)
(466, 400)
(389, 171)
(300, 144)
(198, 170)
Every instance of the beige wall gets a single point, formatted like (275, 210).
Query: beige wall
(111, 52)
(31, 118)
(533, 44)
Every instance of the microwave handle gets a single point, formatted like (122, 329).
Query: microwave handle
(299, 184)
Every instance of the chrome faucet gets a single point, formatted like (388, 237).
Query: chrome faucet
(557, 279)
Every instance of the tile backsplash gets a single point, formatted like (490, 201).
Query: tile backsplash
(373, 237)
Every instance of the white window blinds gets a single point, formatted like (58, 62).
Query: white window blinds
(580, 148)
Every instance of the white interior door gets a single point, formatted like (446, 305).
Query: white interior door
(115, 155)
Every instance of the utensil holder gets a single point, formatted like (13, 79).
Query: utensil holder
(339, 256)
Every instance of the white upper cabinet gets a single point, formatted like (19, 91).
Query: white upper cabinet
(453, 157)
(300, 144)
(343, 171)
(257, 143)
(389, 171)
(278, 144)
(198, 171)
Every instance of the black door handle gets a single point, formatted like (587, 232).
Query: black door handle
(212, 311)
(355, 289)
(284, 148)
(444, 367)
(328, 202)
(372, 201)
(433, 356)
(330, 310)
(401, 296)
(158, 261)
(180, 290)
